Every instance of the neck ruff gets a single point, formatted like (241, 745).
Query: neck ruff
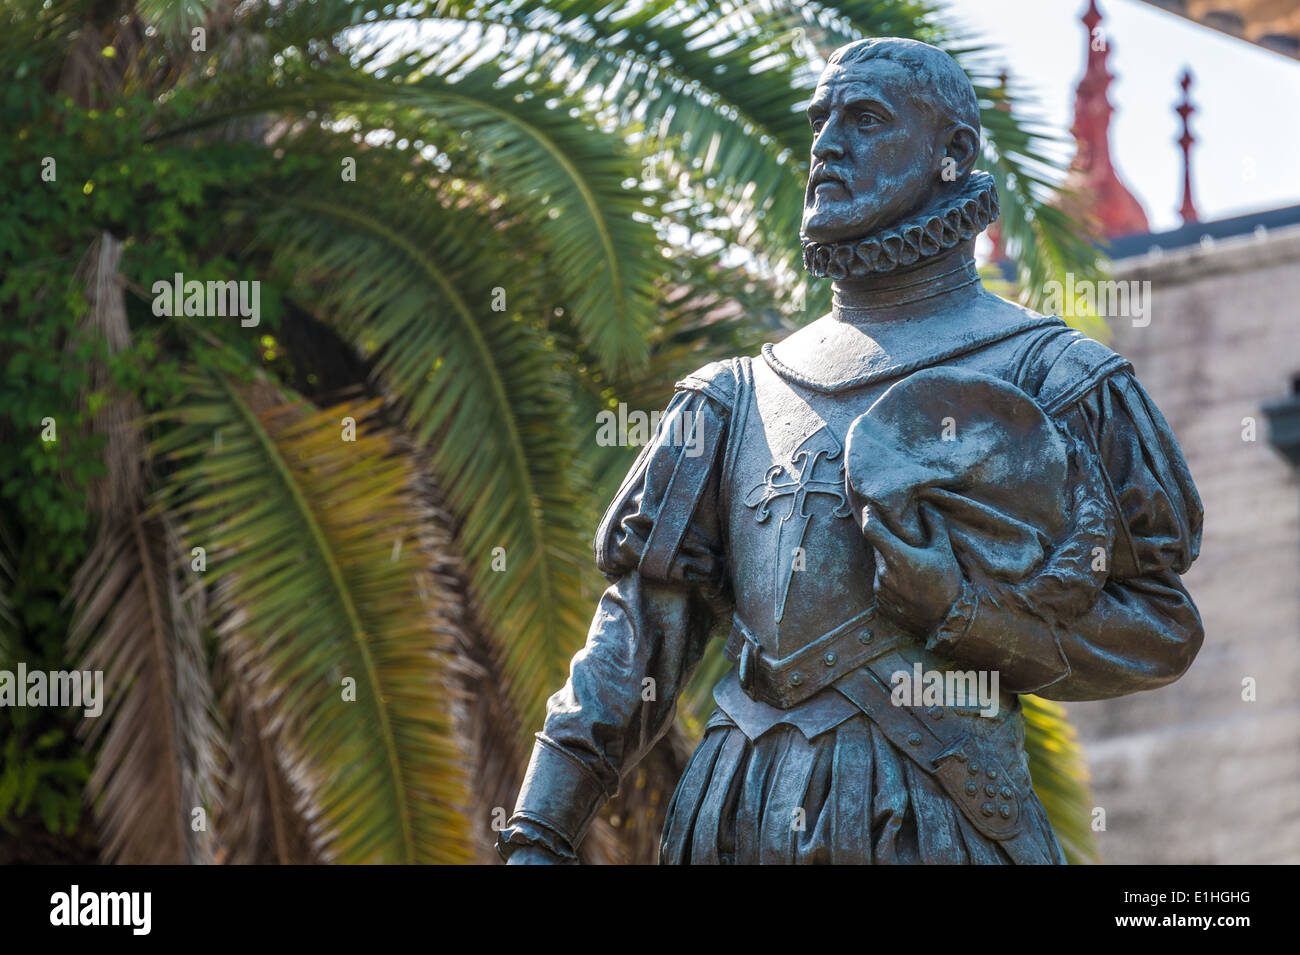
(937, 230)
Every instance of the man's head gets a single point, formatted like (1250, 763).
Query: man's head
(895, 129)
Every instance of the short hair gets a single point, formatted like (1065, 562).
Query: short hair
(934, 69)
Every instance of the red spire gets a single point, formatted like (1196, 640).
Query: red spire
(1106, 198)
(1185, 110)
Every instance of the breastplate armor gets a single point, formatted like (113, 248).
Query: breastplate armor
(800, 565)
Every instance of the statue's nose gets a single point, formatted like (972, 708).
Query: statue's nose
(827, 144)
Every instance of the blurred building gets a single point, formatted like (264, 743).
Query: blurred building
(1207, 770)
(1272, 24)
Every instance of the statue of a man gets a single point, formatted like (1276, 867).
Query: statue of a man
(907, 513)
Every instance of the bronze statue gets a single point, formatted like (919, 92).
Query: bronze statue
(908, 512)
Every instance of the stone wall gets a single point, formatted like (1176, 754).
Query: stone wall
(1192, 773)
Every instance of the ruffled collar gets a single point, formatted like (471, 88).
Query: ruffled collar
(937, 230)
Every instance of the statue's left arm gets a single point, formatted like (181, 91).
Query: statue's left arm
(1109, 614)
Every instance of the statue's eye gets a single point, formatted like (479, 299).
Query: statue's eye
(867, 119)
(817, 124)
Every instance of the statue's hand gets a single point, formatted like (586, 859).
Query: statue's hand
(915, 585)
(535, 855)
(1071, 578)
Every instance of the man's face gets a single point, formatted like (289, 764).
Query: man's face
(875, 153)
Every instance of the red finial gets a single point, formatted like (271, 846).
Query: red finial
(1107, 199)
(1091, 17)
(1185, 110)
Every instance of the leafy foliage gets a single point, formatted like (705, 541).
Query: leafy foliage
(1060, 774)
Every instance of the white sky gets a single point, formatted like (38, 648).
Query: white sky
(1247, 123)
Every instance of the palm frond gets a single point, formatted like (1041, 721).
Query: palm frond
(1060, 774)
(261, 817)
(488, 722)
(710, 92)
(176, 18)
(138, 625)
(1040, 238)
(538, 150)
(712, 85)
(482, 389)
(697, 701)
(340, 631)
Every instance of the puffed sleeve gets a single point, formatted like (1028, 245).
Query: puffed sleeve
(660, 547)
(1144, 630)
(1111, 615)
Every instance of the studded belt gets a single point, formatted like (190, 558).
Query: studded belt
(789, 680)
(858, 657)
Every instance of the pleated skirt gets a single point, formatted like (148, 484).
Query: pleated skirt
(847, 797)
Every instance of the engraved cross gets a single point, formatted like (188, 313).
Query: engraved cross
(800, 482)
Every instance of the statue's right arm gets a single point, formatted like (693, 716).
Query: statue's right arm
(660, 547)
(1137, 627)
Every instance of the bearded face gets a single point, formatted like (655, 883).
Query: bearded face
(876, 154)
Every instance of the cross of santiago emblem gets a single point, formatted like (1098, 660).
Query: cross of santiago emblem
(797, 481)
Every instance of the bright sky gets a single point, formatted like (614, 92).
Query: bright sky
(1247, 123)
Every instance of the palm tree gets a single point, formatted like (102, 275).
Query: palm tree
(332, 565)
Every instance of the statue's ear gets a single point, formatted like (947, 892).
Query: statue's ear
(961, 146)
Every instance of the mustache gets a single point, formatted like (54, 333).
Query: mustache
(823, 173)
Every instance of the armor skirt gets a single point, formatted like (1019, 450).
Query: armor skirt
(847, 797)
